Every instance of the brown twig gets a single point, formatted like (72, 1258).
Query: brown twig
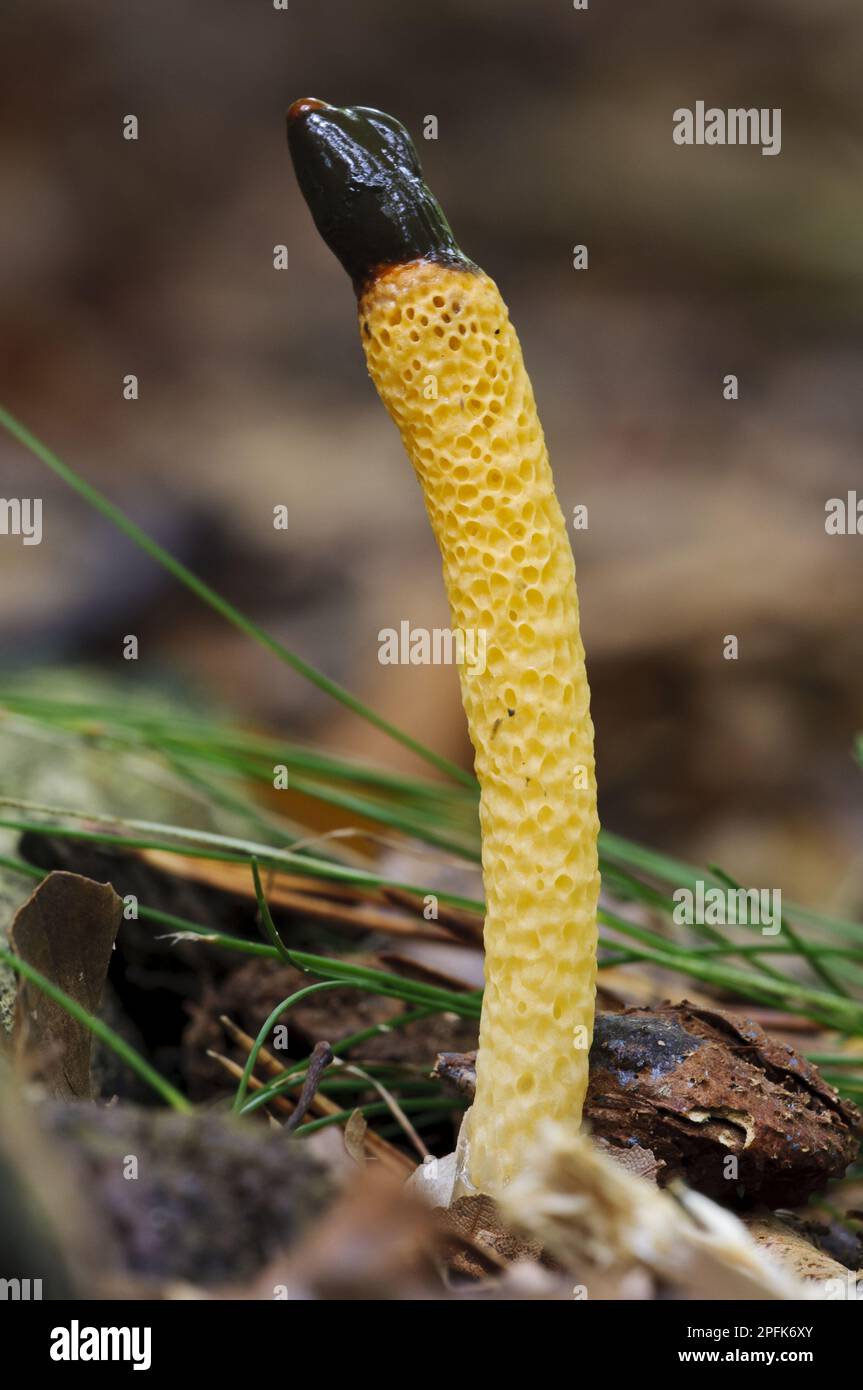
(270, 1064)
(418, 970)
(280, 1103)
(362, 911)
(322, 1056)
(466, 926)
(387, 1154)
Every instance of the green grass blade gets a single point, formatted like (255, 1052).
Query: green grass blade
(244, 852)
(264, 1033)
(802, 946)
(833, 1010)
(99, 1030)
(296, 1073)
(220, 605)
(379, 1107)
(667, 869)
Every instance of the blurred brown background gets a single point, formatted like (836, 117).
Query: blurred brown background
(706, 517)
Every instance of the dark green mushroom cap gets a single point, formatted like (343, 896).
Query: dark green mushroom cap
(360, 175)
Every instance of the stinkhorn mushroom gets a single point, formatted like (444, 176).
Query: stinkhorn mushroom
(447, 364)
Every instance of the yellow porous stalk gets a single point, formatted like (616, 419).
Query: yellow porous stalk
(448, 366)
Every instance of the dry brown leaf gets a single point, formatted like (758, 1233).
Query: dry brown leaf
(487, 1241)
(66, 929)
(355, 1137)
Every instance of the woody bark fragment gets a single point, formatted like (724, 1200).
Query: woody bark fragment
(741, 1117)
